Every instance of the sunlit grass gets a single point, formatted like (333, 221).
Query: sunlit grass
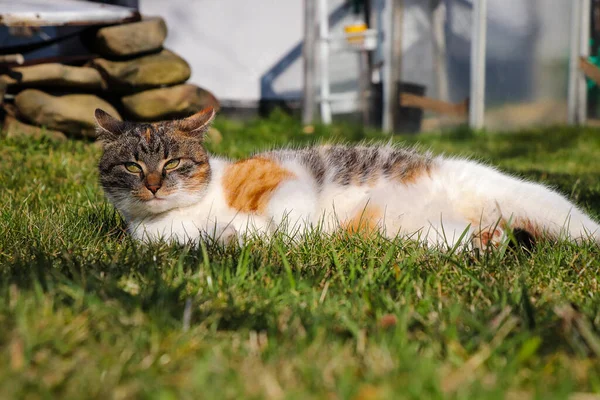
(87, 313)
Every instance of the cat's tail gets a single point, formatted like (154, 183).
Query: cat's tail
(489, 198)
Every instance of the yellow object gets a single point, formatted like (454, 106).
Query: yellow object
(353, 30)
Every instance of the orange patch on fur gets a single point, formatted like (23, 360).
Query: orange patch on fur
(248, 184)
(412, 174)
(200, 178)
(365, 221)
(147, 134)
(372, 180)
(357, 180)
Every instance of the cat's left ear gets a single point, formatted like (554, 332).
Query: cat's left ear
(108, 127)
(198, 124)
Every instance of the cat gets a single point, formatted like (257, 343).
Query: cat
(168, 187)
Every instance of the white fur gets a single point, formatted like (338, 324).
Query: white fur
(436, 209)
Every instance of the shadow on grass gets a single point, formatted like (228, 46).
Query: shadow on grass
(106, 221)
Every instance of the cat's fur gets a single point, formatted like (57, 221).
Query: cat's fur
(362, 189)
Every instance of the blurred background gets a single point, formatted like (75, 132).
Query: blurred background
(260, 58)
(400, 65)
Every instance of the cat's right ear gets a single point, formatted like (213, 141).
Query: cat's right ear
(199, 123)
(109, 128)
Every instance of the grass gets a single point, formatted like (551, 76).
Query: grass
(87, 313)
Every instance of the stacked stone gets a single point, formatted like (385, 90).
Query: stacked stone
(135, 75)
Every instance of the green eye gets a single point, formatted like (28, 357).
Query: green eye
(133, 167)
(172, 164)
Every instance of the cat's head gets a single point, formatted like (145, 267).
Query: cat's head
(150, 168)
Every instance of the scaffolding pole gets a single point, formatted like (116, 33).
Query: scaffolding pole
(478, 42)
(437, 18)
(324, 62)
(392, 66)
(308, 50)
(572, 99)
(584, 51)
(579, 47)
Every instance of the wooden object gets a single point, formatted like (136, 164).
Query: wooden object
(437, 106)
(590, 70)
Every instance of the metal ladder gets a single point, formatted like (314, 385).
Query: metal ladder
(365, 40)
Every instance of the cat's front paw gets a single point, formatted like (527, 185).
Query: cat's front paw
(490, 238)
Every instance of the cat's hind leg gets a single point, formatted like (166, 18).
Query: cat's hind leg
(478, 191)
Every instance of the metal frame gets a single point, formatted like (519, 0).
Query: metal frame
(584, 51)
(392, 69)
(574, 62)
(325, 91)
(308, 49)
(323, 44)
(478, 60)
(579, 47)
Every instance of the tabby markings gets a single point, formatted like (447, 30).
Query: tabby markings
(249, 184)
(411, 173)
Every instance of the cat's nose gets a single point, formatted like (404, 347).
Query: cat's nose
(153, 188)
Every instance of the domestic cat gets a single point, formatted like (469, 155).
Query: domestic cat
(166, 185)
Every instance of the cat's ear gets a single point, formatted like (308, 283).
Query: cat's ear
(197, 124)
(109, 128)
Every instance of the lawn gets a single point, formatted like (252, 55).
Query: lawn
(87, 313)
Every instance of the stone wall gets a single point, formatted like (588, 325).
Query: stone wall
(134, 77)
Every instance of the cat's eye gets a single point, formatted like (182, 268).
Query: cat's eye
(133, 167)
(172, 164)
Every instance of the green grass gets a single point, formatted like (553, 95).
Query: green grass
(87, 313)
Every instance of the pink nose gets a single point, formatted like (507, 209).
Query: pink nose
(153, 188)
